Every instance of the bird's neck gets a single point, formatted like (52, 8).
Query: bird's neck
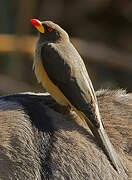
(44, 40)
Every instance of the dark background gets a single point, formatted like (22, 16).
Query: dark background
(101, 30)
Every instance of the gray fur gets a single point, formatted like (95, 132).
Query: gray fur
(59, 147)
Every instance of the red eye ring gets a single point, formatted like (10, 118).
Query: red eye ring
(50, 29)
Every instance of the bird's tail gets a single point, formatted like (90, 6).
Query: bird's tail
(105, 143)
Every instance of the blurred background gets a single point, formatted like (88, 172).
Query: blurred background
(101, 30)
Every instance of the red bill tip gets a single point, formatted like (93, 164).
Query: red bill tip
(35, 22)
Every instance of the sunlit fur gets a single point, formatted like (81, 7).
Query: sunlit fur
(37, 142)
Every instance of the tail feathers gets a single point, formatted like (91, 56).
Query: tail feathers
(106, 145)
(104, 142)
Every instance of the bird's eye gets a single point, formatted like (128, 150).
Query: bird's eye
(50, 29)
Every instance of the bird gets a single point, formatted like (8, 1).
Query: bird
(62, 72)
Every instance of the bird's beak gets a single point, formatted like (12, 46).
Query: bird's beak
(38, 25)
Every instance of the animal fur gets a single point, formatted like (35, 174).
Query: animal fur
(38, 142)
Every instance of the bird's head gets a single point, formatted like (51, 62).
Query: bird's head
(49, 31)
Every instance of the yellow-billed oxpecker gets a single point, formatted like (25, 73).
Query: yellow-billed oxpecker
(61, 70)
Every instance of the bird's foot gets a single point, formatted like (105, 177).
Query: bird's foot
(61, 109)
